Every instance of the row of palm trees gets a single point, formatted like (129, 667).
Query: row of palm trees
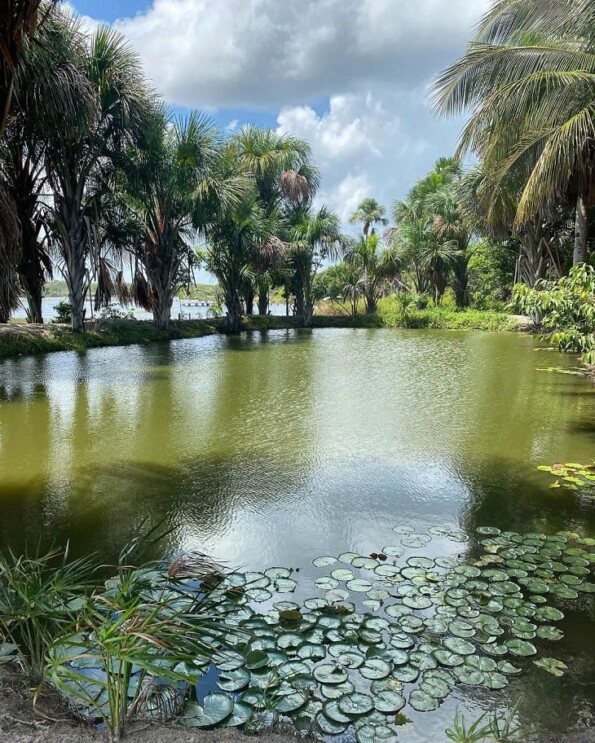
(98, 181)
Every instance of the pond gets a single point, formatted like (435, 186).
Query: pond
(275, 448)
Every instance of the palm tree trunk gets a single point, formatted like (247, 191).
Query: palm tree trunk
(581, 235)
(249, 300)
(34, 307)
(162, 307)
(234, 312)
(263, 302)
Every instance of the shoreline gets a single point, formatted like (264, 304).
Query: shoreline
(17, 339)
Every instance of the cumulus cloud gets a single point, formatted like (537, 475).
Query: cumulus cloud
(350, 76)
(270, 53)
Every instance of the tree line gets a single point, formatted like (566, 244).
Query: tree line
(98, 181)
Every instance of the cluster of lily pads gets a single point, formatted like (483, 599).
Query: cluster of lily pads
(573, 476)
(389, 630)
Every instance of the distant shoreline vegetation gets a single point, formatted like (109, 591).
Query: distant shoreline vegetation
(206, 292)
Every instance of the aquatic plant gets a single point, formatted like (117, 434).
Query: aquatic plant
(573, 476)
(40, 596)
(489, 728)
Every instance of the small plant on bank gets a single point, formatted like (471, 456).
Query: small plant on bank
(63, 314)
(41, 596)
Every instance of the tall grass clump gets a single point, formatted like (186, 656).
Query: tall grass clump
(41, 596)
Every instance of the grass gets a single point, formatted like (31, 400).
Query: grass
(22, 340)
(392, 315)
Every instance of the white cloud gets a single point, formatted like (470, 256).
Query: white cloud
(271, 53)
(350, 76)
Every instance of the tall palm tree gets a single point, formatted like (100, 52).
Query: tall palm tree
(375, 265)
(232, 238)
(19, 20)
(173, 184)
(315, 236)
(82, 153)
(285, 179)
(369, 213)
(528, 81)
(48, 87)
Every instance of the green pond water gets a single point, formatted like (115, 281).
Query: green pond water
(272, 449)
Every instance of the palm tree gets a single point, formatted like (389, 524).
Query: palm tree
(48, 87)
(285, 178)
(173, 188)
(315, 236)
(19, 20)
(369, 213)
(376, 266)
(528, 80)
(82, 153)
(233, 237)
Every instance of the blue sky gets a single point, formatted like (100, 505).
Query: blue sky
(350, 76)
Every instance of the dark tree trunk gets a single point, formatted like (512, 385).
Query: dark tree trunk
(234, 312)
(34, 308)
(162, 303)
(249, 300)
(263, 302)
(581, 235)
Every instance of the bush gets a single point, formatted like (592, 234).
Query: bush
(565, 308)
(63, 312)
(399, 311)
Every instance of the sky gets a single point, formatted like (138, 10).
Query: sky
(350, 76)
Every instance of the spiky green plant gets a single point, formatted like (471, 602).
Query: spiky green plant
(41, 595)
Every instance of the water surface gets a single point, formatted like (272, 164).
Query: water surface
(271, 449)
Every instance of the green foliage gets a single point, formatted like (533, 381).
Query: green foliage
(40, 596)
(399, 311)
(565, 309)
(491, 274)
(63, 312)
(573, 476)
(489, 728)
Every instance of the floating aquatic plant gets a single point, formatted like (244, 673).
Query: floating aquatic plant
(386, 631)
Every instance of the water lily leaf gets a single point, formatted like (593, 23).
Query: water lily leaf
(241, 714)
(359, 585)
(389, 684)
(435, 687)
(258, 594)
(422, 702)
(291, 702)
(374, 734)
(216, 708)
(332, 711)
(364, 563)
(403, 530)
(350, 659)
(293, 668)
(329, 727)
(336, 595)
(326, 583)
(234, 680)
(459, 646)
(327, 674)
(324, 561)
(256, 659)
(388, 702)
(448, 659)
(417, 602)
(375, 668)
(488, 531)
(342, 575)
(468, 675)
(356, 704)
(407, 674)
(551, 665)
(507, 668)
(284, 585)
(336, 691)
(348, 557)
(521, 647)
(308, 651)
(495, 681)
(459, 628)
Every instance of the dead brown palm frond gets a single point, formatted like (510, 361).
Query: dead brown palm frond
(295, 187)
(193, 564)
(141, 291)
